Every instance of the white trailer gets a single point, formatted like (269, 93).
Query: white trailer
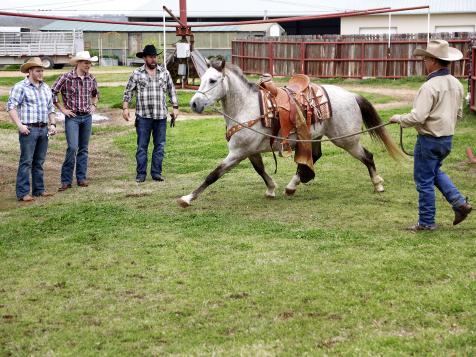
(54, 48)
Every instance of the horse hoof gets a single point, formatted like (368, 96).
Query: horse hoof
(379, 188)
(270, 195)
(182, 203)
(289, 191)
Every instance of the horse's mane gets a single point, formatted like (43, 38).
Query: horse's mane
(238, 72)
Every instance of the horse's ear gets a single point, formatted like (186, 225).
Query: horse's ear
(222, 64)
(207, 61)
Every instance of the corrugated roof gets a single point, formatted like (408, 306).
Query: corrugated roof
(97, 27)
(273, 8)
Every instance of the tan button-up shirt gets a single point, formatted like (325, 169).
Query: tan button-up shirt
(436, 108)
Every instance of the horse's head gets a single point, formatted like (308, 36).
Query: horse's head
(212, 87)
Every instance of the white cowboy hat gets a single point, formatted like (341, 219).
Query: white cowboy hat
(82, 56)
(439, 49)
(32, 62)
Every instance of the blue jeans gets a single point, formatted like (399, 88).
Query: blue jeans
(158, 128)
(33, 149)
(429, 155)
(78, 132)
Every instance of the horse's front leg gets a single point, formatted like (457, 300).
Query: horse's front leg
(257, 162)
(230, 161)
(296, 180)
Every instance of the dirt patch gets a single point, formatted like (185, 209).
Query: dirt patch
(101, 150)
(403, 96)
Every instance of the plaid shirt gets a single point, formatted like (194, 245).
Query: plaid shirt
(33, 103)
(150, 92)
(76, 92)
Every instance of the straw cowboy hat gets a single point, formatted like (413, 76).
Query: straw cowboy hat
(32, 62)
(439, 49)
(82, 56)
(149, 50)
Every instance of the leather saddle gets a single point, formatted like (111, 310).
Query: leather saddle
(298, 97)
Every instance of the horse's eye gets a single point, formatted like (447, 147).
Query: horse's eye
(213, 81)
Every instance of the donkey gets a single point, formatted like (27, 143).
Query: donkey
(240, 101)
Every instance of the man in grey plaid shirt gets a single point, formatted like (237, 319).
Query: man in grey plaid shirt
(150, 83)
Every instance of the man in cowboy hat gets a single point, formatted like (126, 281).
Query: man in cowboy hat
(436, 108)
(150, 83)
(29, 106)
(79, 91)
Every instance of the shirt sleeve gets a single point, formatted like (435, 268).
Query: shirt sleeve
(460, 108)
(171, 90)
(95, 91)
(130, 88)
(16, 97)
(51, 107)
(421, 109)
(56, 89)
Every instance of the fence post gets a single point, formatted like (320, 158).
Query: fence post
(362, 54)
(270, 58)
(242, 53)
(303, 55)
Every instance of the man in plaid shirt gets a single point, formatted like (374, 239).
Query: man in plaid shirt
(79, 92)
(150, 83)
(29, 106)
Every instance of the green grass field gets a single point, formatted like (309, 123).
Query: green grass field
(119, 269)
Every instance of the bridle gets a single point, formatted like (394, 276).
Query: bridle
(214, 86)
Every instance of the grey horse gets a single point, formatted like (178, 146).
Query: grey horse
(240, 101)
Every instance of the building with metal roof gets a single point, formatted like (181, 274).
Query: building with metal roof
(445, 16)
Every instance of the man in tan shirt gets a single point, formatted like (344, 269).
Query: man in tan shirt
(436, 109)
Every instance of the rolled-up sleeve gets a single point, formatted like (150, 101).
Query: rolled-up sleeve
(51, 107)
(171, 91)
(95, 90)
(15, 98)
(56, 88)
(421, 109)
(130, 88)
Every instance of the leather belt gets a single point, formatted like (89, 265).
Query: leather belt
(37, 125)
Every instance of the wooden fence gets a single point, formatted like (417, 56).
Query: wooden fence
(472, 80)
(345, 56)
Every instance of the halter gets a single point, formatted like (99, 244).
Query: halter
(209, 89)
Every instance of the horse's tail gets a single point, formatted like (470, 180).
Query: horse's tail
(372, 119)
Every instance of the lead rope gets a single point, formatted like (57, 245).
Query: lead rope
(304, 140)
(401, 144)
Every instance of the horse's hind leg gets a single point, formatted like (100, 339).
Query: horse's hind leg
(257, 162)
(296, 180)
(367, 158)
(229, 162)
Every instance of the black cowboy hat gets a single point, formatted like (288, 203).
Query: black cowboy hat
(149, 50)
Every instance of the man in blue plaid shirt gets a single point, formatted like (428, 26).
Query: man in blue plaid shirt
(29, 106)
(150, 83)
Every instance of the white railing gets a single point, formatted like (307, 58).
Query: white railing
(39, 43)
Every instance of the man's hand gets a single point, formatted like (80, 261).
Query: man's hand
(173, 116)
(93, 108)
(52, 130)
(125, 114)
(67, 112)
(23, 129)
(395, 118)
